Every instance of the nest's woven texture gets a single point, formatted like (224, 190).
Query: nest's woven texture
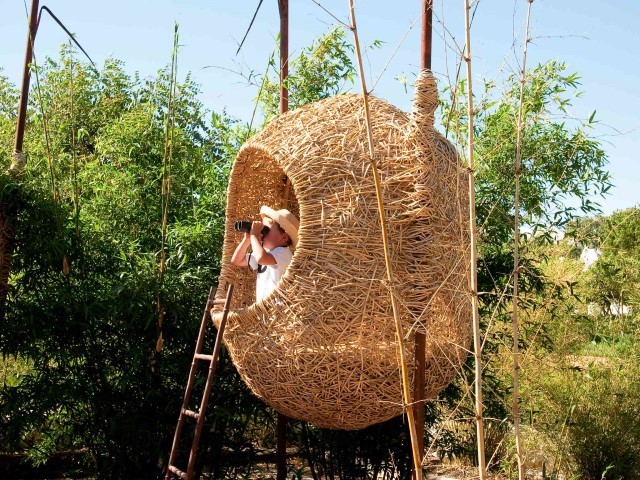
(322, 347)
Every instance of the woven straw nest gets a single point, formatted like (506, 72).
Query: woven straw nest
(322, 347)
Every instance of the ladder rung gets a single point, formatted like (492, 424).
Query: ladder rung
(190, 413)
(202, 356)
(219, 301)
(177, 471)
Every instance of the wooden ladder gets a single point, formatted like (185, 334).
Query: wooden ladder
(199, 416)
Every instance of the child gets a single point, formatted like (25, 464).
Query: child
(270, 254)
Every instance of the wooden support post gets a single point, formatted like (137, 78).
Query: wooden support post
(283, 7)
(420, 340)
(26, 76)
(427, 28)
(418, 389)
(281, 451)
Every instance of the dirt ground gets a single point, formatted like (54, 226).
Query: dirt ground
(451, 472)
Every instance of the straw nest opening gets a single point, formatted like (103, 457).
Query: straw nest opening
(322, 346)
(256, 179)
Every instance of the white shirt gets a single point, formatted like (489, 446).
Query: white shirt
(267, 280)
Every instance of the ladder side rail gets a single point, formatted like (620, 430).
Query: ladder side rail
(208, 386)
(192, 373)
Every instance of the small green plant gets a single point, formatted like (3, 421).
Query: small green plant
(593, 417)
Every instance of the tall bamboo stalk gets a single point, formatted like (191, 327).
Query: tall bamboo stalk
(166, 188)
(473, 279)
(76, 187)
(516, 259)
(417, 456)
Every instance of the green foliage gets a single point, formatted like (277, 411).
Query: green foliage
(322, 70)
(12, 369)
(88, 331)
(562, 164)
(562, 167)
(614, 280)
(579, 389)
(8, 100)
(591, 416)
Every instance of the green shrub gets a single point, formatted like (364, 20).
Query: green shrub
(592, 416)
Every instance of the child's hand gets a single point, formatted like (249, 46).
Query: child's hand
(256, 228)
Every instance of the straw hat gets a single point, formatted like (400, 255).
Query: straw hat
(285, 219)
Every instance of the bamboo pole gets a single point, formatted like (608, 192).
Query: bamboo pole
(473, 279)
(516, 259)
(166, 193)
(19, 161)
(417, 457)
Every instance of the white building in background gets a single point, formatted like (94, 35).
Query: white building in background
(615, 309)
(589, 256)
(557, 235)
(619, 309)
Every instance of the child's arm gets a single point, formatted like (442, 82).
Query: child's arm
(261, 255)
(239, 256)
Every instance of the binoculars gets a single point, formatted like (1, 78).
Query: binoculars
(245, 226)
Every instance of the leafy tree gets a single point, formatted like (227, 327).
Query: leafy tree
(579, 383)
(322, 70)
(84, 293)
(563, 166)
(614, 280)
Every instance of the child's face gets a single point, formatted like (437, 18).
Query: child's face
(276, 236)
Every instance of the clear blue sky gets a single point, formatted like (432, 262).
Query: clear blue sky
(597, 39)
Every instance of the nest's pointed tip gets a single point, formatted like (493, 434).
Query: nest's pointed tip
(425, 98)
(425, 102)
